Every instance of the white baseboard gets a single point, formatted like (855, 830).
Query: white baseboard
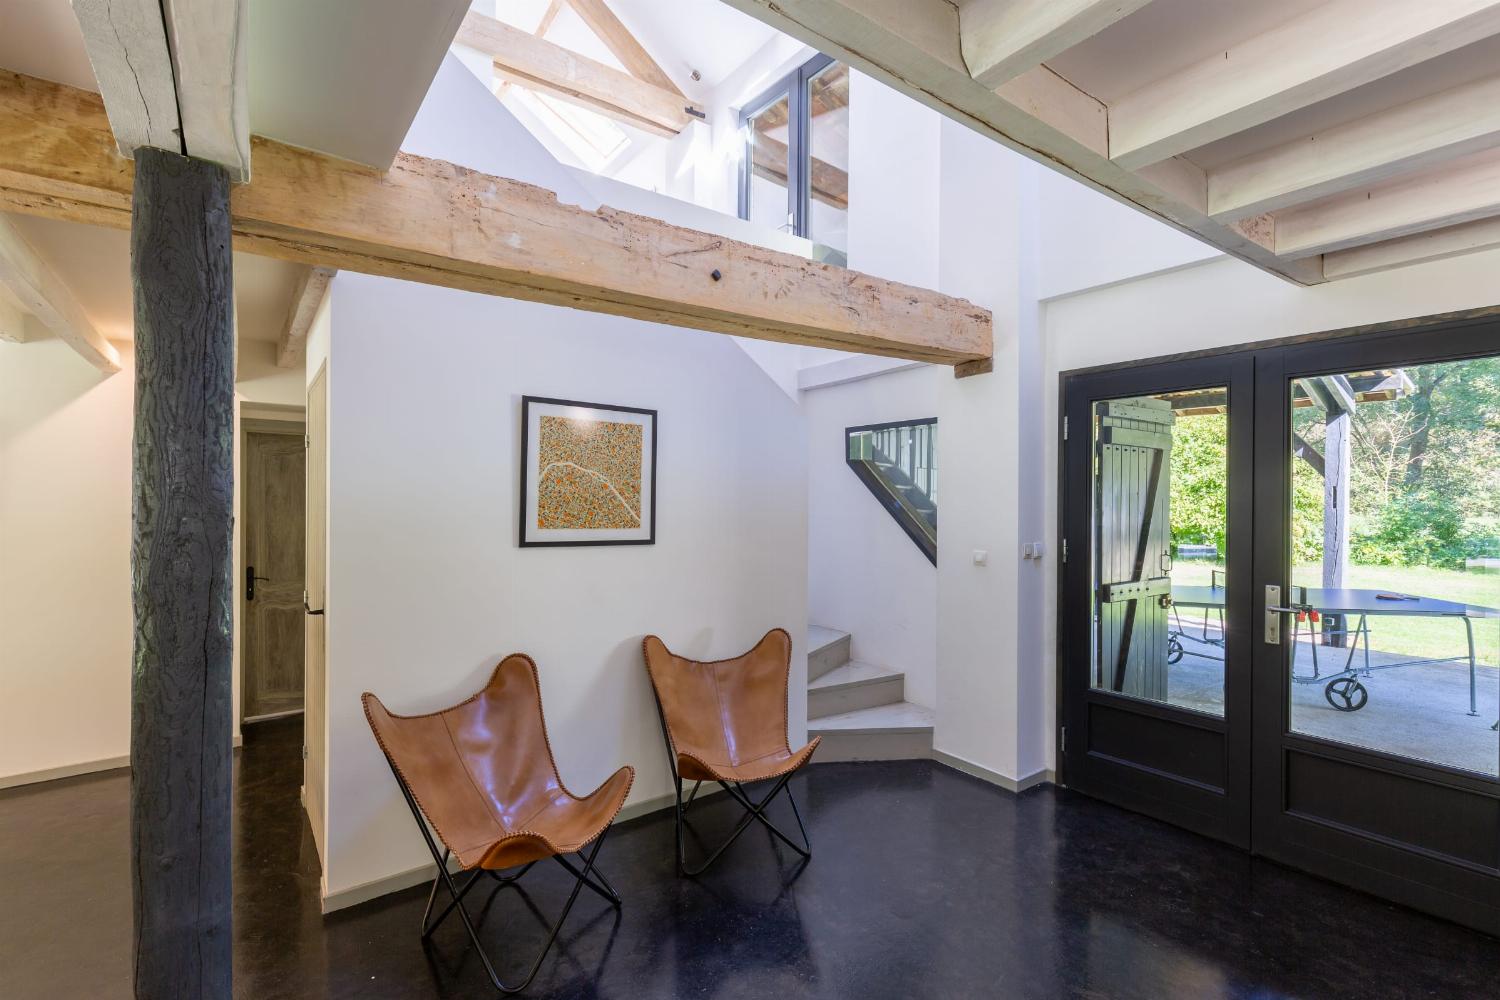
(1043, 776)
(422, 874)
(73, 770)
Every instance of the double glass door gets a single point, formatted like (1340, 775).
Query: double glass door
(1279, 598)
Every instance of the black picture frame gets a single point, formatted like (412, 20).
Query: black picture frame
(525, 531)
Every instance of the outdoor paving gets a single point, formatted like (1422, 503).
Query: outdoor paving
(1419, 711)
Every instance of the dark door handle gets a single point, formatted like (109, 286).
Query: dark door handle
(250, 579)
(307, 609)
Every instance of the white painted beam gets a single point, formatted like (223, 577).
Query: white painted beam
(127, 46)
(1332, 48)
(1399, 140)
(1458, 192)
(1004, 38)
(1470, 237)
(306, 298)
(39, 291)
(182, 87)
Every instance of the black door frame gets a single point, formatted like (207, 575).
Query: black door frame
(1210, 793)
(1334, 844)
(1453, 887)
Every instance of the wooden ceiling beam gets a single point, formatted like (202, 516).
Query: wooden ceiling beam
(1004, 38)
(1333, 48)
(1403, 139)
(312, 286)
(1437, 244)
(183, 86)
(438, 223)
(914, 46)
(540, 65)
(1458, 192)
(39, 291)
(624, 45)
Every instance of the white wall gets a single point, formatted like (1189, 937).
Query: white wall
(428, 589)
(865, 576)
(1221, 304)
(65, 509)
(65, 619)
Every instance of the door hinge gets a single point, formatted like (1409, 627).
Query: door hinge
(1065, 428)
(1065, 550)
(1062, 740)
(304, 751)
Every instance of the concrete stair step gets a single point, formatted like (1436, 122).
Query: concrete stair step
(827, 648)
(853, 686)
(901, 731)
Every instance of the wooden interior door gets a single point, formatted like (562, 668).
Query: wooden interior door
(275, 479)
(314, 752)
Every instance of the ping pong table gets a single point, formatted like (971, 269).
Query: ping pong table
(1342, 688)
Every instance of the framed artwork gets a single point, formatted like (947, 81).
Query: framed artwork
(588, 473)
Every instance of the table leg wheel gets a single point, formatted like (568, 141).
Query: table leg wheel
(1346, 694)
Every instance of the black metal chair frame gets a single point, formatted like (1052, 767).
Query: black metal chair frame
(457, 894)
(753, 810)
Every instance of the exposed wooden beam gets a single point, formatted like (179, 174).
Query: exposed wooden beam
(306, 299)
(914, 46)
(830, 184)
(540, 65)
(1399, 140)
(1332, 48)
(434, 222)
(1435, 245)
(624, 45)
(548, 17)
(180, 87)
(1004, 38)
(39, 291)
(1463, 191)
(13, 320)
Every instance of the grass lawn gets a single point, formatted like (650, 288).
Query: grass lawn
(1416, 637)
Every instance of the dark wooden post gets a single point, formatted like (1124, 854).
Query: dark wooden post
(180, 752)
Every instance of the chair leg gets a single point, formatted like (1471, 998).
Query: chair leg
(606, 891)
(753, 811)
(457, 894)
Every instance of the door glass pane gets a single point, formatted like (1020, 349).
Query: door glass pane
(828, 104)
(1161, 499)
(768, 201)
(1395, 526)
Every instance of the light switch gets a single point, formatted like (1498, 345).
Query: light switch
(981, 557)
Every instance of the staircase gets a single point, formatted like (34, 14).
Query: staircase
(859, 708)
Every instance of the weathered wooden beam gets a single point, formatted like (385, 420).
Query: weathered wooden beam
(1333, 47)
(1366, 151)
(830, 184)
(1004, 38)
(14, 321)
(914, 46)
(1438, 244)
(308, 295)
(438, 223)
(181, 717)
(533, 62)
(1458, 192)
(173, 75)
(38, 290)
(621, 43)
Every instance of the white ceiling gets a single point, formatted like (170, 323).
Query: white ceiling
(95, 264)
(685, 35)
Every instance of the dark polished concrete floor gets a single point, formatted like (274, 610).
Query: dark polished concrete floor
(924, 883)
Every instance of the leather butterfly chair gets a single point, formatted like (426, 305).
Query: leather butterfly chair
(726, 721)
(482, 774)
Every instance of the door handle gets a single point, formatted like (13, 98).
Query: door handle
(306, 609)
(250, 579)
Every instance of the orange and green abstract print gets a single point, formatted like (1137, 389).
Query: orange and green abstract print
(589, 474)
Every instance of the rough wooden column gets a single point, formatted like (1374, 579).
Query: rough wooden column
(181, 722)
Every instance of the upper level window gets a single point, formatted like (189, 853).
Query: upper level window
(795, 175)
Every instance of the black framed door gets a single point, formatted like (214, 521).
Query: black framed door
(1156, 661)
(1375, 764)
(1329, 696)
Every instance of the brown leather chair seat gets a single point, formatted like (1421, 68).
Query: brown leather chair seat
(726, 721)
(483, 775)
